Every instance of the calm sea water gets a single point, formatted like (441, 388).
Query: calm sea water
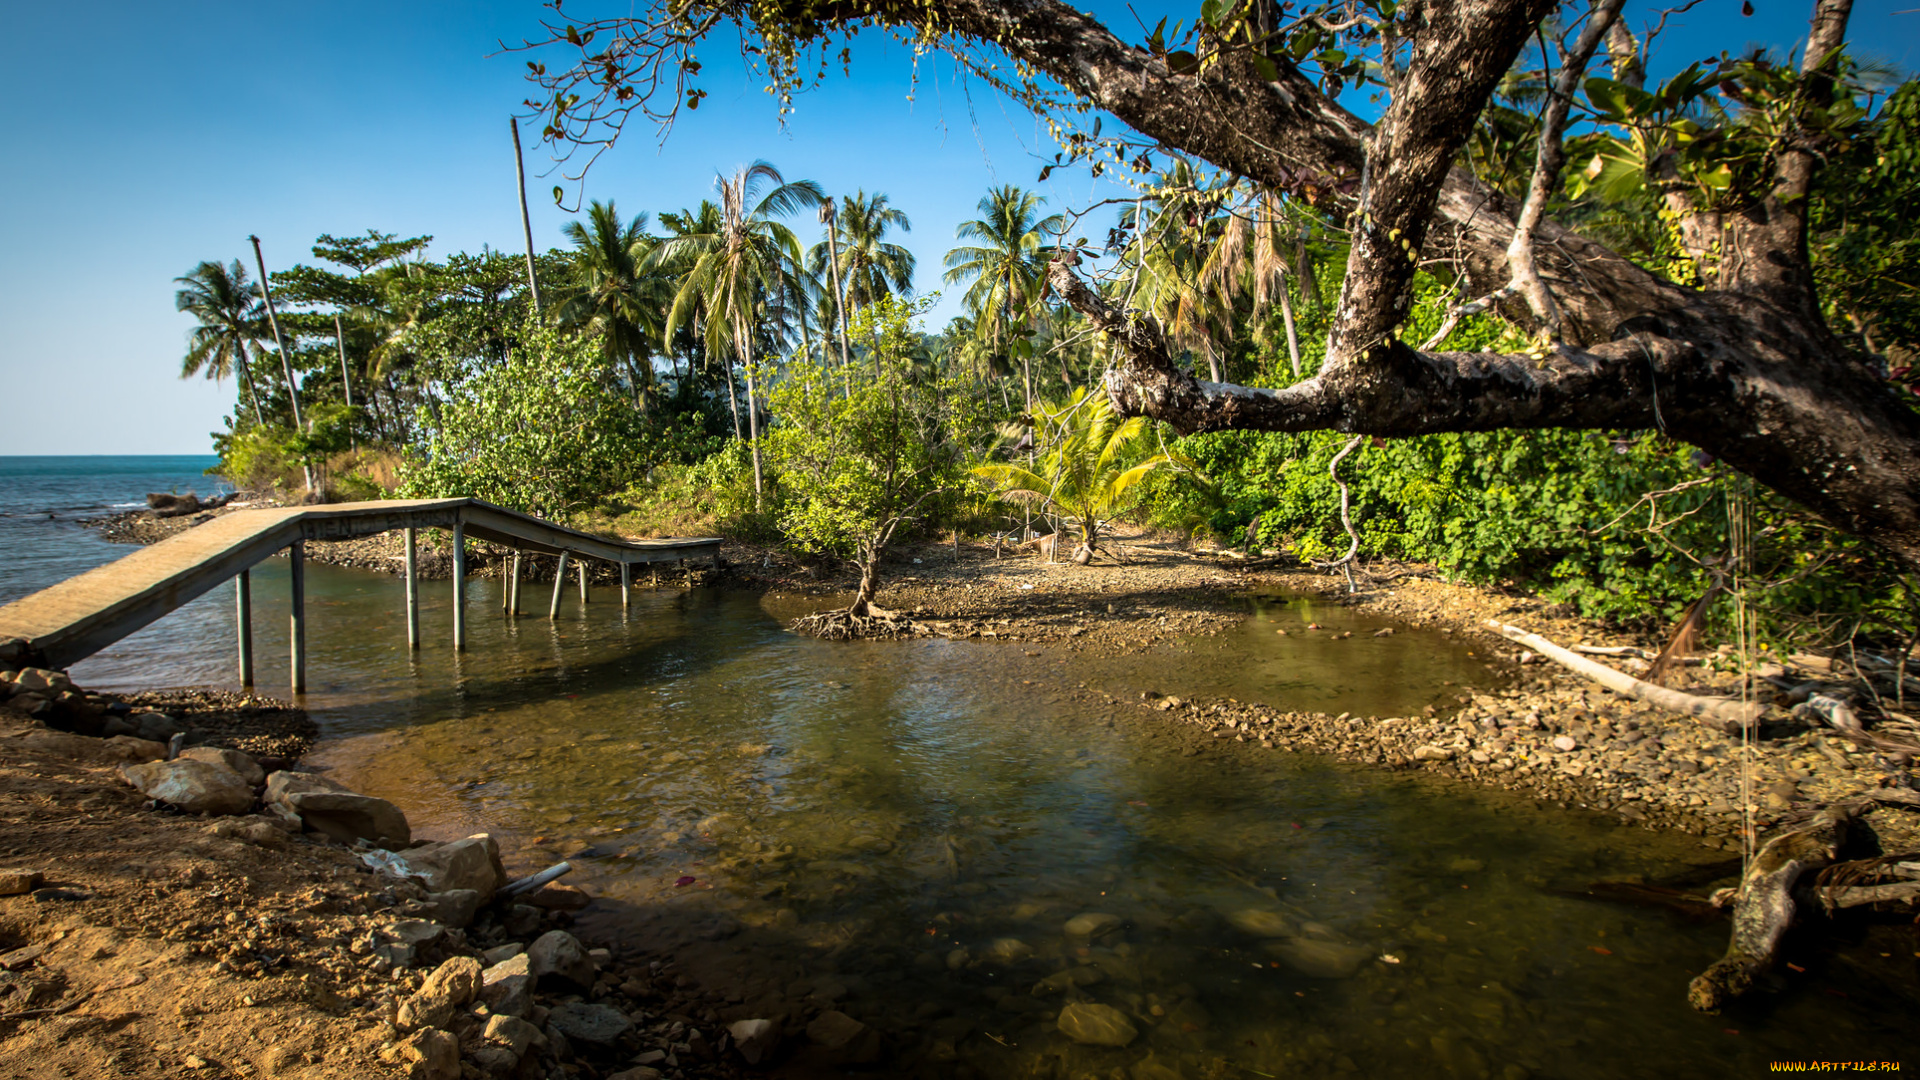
(905, 830)
(43, 500)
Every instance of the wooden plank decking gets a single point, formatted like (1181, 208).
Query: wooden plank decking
(82, 615)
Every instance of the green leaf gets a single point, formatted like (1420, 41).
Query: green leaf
(1618, 101)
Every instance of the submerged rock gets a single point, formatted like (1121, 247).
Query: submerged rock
(1008, 950)
(1096, 1025)
(844, 1040)
(597, 1025)
(1093, 924)
(1264, 923)
(194, 786)
(1320, 959)
(755, 1039)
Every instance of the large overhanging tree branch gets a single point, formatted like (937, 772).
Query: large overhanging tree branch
(1745, 369)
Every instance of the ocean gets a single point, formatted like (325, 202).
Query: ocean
(44, 499)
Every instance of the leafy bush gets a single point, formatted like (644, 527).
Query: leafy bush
(544, 432)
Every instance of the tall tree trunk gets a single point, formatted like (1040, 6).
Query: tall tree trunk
(833, 271)
(280, 342)
(246, 380)
(1293, 336)
(526, 222)
(753, 417)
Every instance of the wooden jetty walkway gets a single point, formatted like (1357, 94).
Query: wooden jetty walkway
(80, 616)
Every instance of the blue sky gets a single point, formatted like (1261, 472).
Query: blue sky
(148, 137)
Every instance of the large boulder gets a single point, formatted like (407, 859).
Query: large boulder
(194, 786)
(558, 958)
(41, 681)
(242, 764)
(427, 1055)
(347, 817)
(472, 863)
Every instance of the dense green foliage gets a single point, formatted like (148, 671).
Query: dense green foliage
(620, 402)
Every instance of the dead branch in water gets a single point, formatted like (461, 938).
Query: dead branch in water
(1764, 908)
(1728, 715)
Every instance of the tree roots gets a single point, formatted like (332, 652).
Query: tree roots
(844, 625)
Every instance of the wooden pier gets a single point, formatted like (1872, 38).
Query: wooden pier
(68, 622)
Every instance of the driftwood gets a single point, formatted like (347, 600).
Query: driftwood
(1764, 907)
(1724, 714)
(522, 886)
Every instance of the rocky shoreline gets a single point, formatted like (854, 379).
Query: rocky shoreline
(172, 904)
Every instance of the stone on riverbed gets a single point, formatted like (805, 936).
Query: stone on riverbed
(844, 1040)
(1320, 959)
(597, 1025)
(1093, 924)
(1096, 1025)
(1263, 923)
(755, 1039)
(1008, 950)
(347, 817)
(194, 786)
(286, 782)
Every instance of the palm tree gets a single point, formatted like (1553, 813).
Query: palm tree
(1167, 259)
(1255, 248)
(619, 292)
(740, 270)
(1089, 462)
(1007, 266)
(856, 252)
(230, 316)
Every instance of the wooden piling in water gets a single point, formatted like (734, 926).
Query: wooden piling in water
(626, 585)
(413, 591)
(297, 565)
(513, 589)
(243, 620)
(459, 586)
(581, 568)
(559, 587)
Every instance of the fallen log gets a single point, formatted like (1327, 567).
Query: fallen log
(1727, 715)
(1846, 896)
(1763, 909)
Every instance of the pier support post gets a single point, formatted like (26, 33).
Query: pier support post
(580, 568)
(626, 585)
(559, 587)
(513, 588)
(243, 619)
(297, 578)
(459, 586)
(413, 591)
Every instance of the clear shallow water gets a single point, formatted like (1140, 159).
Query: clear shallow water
(793, 819)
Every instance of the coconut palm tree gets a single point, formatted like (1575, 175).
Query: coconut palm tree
(1089, 461)
(230, 315)
(620, 290)
(1006, 266)
(1166, 259)
(1256, 248)
(739, 268)
(857, 253)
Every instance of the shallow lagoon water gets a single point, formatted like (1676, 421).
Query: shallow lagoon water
(905, 829)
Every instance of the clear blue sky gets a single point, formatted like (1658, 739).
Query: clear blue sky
(147, 137)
